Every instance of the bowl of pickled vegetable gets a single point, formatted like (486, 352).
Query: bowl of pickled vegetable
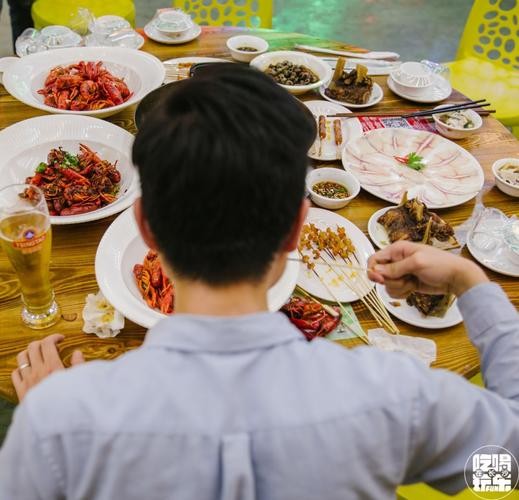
(457, 124)
(331, 188)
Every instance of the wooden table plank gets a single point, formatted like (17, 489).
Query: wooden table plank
(74, 247)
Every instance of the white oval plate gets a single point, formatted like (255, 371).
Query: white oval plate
(27, 143)
(121, 247)
(452, 176)
(351, 129)
(437, 92)
(376, 231)
(376, 96)
(310, 282)
(152, 32)
(142, 73)
(412, 316)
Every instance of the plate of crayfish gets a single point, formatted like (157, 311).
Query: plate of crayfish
(95, 81)
(133, 280)
(82, 164)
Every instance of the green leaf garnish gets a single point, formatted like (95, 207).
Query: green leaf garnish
(415, 161)
(41, 168)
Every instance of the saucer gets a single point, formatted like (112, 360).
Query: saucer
(153, 33)
(438, 91)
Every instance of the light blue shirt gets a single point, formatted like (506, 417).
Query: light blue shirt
(245, 408)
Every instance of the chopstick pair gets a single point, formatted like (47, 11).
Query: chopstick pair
(481, 103)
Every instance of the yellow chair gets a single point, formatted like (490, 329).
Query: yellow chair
(487, 62)
(62, 12)
(249, 13)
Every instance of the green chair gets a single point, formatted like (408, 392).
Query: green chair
(487, 62)
(62, 12)
(249, 13)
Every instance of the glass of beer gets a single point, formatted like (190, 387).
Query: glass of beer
(26, 238)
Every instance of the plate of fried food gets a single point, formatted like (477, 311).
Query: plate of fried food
(179, 68)
(332, 133)
(425, 311)
(410, 221)
(334, 253)
(133, 280)
(95, 81)
(82, 164)
(388, 162)
(354, 88)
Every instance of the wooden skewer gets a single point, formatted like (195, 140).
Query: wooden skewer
(335, 264)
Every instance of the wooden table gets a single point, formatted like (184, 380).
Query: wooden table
(74, 247)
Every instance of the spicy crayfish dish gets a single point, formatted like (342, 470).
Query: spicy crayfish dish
(76, 184)
(153, 284)
(85, 86)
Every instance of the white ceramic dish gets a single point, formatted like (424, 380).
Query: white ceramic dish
(500, 183)
(309, 281)
(439, 91)
(413, 77)
(121, 247)
(318, 66)
(377, 231)
(351, 129)
(255, 42)
(486, 242)
(371, 158)
(457, 132)
(376, 96)
(332, 175)
(412, 316)
(27, 143)
(142, 73)
(172, 23)
(191, 34)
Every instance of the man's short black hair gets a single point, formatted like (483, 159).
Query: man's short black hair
(222, 162)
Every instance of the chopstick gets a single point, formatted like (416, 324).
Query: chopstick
(447, 109)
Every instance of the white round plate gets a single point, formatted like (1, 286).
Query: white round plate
(376, 231)
(351, 129)
(142, 73)
(452, 176)
(121, 247)
(27, 143)
(376, 96)
(437, 92)
(495, 261)
(310, 282)
(152, 32)
(412, 316)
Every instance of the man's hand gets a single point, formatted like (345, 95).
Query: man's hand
(37, 362)
(406, 267)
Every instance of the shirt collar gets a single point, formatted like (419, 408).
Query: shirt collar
(188, 332)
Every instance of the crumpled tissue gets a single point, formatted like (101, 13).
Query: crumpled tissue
(420, 348)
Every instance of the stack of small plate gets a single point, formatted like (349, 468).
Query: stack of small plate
(416, 81)
(172, 27)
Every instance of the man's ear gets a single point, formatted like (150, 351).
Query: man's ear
(293, 237)
(143, 225)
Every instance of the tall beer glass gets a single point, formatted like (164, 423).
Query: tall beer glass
(26, 238)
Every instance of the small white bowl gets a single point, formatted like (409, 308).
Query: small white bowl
(332, 175)
(500, 183)
(235, 42)
(172, 23)
(318, 66)
(456, 132)
(412, 78)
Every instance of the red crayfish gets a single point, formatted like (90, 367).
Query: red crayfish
(84, 86)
